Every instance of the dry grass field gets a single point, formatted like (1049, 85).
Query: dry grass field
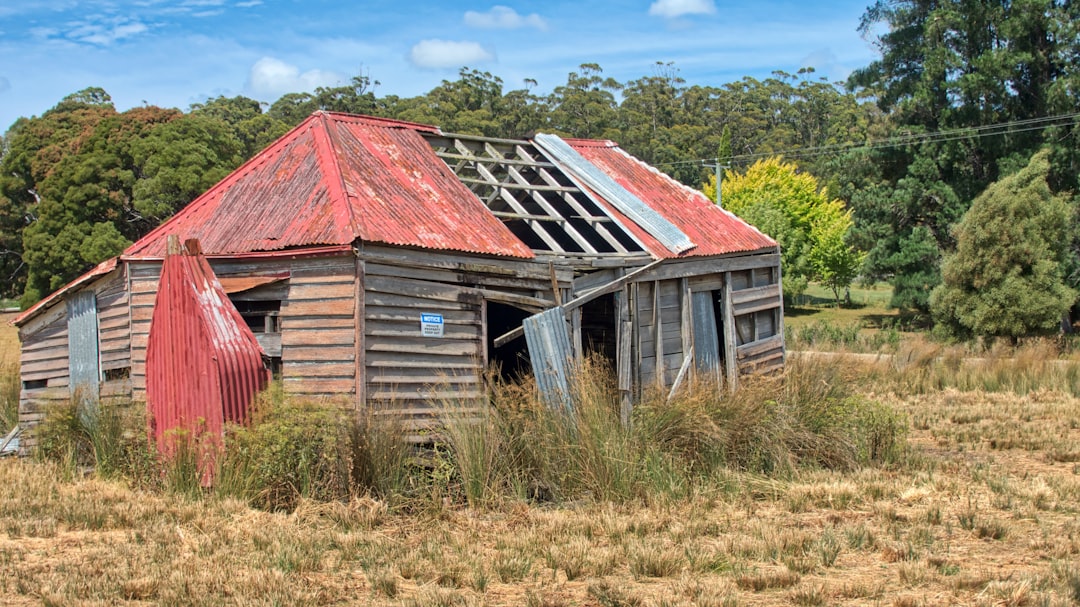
(983, 509)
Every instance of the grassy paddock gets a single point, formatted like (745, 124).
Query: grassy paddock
(980, 510)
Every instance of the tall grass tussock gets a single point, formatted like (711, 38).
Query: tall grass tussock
(518, 448)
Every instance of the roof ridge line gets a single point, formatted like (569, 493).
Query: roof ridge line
(339, 192)
(260, 158)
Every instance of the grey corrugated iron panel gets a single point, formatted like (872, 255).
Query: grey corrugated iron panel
(706, 337)
(83, 354)
(630, 205)
(549, 350)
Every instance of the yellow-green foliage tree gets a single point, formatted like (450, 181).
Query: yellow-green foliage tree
(791, 207)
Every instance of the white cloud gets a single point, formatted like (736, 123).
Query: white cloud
(249, 3)
(678, 8)
(106, 32)
(271, 78)
(447, 53)
(504, 17)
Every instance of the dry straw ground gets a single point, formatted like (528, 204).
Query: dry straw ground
(982, 511)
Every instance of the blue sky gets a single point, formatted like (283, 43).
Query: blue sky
(175, 53)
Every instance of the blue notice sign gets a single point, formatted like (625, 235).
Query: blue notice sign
(431, 324)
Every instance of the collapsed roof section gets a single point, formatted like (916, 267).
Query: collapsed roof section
(534, 197)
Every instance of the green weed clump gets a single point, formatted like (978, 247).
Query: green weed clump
(9, 395)
(851, 337)
(297, 448)
(108, 437)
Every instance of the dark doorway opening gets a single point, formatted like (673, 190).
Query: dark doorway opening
(599, 330)
(512, 358)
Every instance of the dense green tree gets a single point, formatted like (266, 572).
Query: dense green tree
(180, 160)
(585, 106)
(1006, 277)
(33, 148)
(85, 212)
(957, 66)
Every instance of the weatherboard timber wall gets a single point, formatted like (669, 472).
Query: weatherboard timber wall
(317, 315)
(411, 377)
(665, 301)
(44, 365)
(757, 303)
(659, 318)
(319, 328)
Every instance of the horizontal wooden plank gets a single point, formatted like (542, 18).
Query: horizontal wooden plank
(766, 359)
(142, 288)
(28, 397)
(433, 396)
(28, 359)
(421, 377)
(334, 368)
(317, 354)
(310, 385)
(525, 284)
(412, 329)
(762, 345)
(141, 314)
(409, 360)
(270, 343)
(397, 256)
(419, 345)
(316, 337)
(421, 289)
(387, 313)
(392, 300)
(711, 282)
(432, 411)
(340, 307)
(322, 321)
(322, 291)
(746, 295)
(116, 389)
(757, 306)
(118, 323)
(711, 265)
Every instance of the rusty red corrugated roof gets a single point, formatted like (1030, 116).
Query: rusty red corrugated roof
(714, 230)
(334, 179)
(203, 364)
(56, 296)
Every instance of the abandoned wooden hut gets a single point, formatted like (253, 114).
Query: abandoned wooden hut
(385, 264)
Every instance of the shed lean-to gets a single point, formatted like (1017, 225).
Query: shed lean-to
(384, 264)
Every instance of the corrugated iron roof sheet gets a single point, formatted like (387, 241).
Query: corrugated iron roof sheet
(331, 180)
(56, 296)
(714, 230)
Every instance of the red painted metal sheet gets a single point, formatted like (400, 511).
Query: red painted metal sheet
(203, 364)
(714, 230)
(57, 296)
(239, 284)
(334, 179)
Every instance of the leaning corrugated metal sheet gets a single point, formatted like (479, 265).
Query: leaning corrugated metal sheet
(203, 364)
(550, 353)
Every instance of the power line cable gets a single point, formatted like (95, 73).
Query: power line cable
(975, 132)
